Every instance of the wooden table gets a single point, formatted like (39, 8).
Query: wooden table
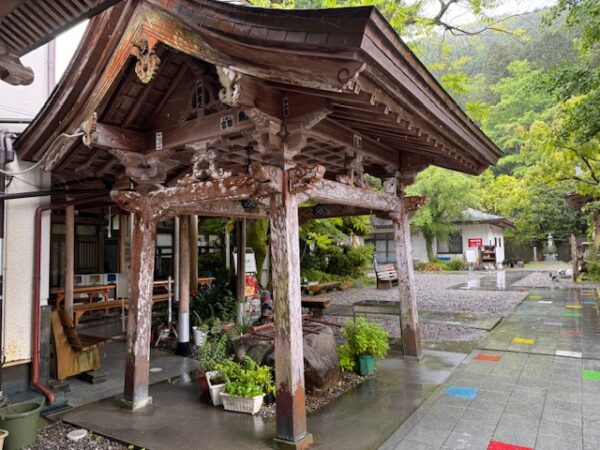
(100, 289)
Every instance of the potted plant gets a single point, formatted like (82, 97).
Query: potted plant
(216, 386)
(199, 330)
(210, 356)
(245, 385)
(365, 343)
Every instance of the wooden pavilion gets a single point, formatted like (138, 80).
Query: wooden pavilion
(216, 108)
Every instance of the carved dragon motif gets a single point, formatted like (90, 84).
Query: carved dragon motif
(147, 60)
(231, 89)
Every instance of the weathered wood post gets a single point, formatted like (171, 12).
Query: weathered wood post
(289, 352)
(141, 277)
(409, 316)
(574, 262)
(69, 260)
(183, 323)
(240, 285)
(193, 252)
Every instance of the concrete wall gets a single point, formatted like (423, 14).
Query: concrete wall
(18, 262)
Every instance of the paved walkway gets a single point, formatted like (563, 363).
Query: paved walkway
(533, 384)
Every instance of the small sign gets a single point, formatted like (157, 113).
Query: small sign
(475, 242)
(159, 140)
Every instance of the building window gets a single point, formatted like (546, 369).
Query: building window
(385, 251)
(453, 245)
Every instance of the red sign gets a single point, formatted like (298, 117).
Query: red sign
(475, 242)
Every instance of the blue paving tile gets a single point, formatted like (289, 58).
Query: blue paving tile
(462, 392)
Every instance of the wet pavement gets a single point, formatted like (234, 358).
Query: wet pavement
(500, 280)
(534, 383)
(359, 419)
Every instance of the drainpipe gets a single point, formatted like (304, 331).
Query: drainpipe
(6, 156)
(37, 257)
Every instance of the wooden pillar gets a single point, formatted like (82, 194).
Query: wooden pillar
(122, 238)
(574, 262)
(240, 285)
(141, 277)
(193, 252)
(69, 259)
(409, 317)
(289, 352)
(183, 323)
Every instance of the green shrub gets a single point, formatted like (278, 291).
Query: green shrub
(455, 264)
(350, 261)
(213, 353)
(593, 271)
(362, 338)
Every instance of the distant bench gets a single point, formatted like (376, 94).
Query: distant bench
(317, 288)
(387, 276)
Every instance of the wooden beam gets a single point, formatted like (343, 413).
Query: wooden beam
(409, 317)
(139, 318)
(183, 323)
(306, 214)
(109, 137)
(262, 181)
(122, 238)
(289, 352)
(327, 191)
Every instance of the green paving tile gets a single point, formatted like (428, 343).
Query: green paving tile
(572, 314)
(591, 375)
(535, 297)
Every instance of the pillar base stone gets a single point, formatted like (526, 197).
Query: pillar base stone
(136, 405)
(302, 443)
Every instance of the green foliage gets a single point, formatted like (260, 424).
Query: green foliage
(438, 266)
(593, 271)
(362, 338)
(246, 379)
(213, 353)
(216, 303)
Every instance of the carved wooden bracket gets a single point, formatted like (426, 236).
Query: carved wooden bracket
(148, 171)
(265, 132)
(147, 61)
(12, 69)
(414, 202)
(231, 89)
(205, 167)
(347, 76)
(90, 137)
(355, 170)
(303, 178)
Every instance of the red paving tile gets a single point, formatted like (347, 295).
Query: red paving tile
(487, 358)
(495, 445)
(571, 333)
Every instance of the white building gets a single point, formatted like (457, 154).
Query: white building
(477, 229)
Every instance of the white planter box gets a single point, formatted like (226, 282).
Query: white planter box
(199, 336)
(215, 389)
(242, 404)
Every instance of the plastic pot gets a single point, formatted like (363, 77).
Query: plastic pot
(199, 336)
(215, 389)
(21, 422)
(366, 365)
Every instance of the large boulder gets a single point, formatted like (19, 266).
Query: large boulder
(321, 363)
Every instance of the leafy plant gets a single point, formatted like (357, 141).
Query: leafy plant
(246, 379)
(362, 338)
(213, 353)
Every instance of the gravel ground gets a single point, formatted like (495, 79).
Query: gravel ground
(54, 437)
(542, 279)
(433, 294)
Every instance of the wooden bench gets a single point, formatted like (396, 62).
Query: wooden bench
(316, 305)
(317, 288)
(75, 353)
(387, 276)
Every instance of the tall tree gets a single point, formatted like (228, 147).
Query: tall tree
(448, 194)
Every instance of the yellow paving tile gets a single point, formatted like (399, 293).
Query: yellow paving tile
(519, 340)
(573, 306)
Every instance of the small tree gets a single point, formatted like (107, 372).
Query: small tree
(448, 194)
